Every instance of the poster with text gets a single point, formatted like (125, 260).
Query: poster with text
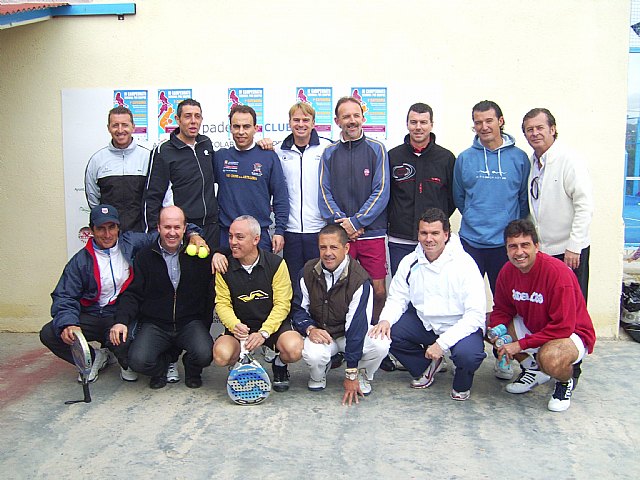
(374, 106)
(138, 102)
(320, 98)
(251, 97)
(168, 100)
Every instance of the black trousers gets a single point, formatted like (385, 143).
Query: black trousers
(582, 272)
(152, 350)
(94, 329)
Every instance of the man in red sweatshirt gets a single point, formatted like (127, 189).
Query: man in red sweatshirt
(540, 302)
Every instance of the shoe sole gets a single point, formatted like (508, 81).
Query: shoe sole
(128, 379)
(173, 380)
(280, 388)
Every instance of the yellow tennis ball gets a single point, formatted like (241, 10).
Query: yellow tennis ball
(192, 250)
(203, 252)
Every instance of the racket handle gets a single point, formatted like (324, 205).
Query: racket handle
(87, 394)
(243, 350)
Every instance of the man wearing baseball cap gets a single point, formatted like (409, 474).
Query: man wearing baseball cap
(87, 293)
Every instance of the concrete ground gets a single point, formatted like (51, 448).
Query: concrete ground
(131, 431)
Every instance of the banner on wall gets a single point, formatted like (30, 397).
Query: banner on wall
(374, 106)
(168, 100)
(138, 102)
(251, 97)
(321, 99)
(84, 131)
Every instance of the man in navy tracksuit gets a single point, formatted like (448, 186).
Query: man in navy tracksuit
(354, 192)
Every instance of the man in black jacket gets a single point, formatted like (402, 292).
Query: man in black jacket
(169, 297)
(421, 178)
(181, 173)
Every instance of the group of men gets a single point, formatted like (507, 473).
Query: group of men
(325, 299)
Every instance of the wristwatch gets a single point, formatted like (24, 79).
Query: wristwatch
(264, 334)
(351, 373)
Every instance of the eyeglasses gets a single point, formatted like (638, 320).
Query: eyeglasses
(535, 188)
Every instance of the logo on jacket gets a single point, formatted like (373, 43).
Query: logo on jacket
(206, 152)
(229, 166)
(255, 295)
(404, 172)
(535, 297)
(257, 170)
(367, 172)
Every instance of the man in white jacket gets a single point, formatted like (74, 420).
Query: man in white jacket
(560, 196)
(444, 285)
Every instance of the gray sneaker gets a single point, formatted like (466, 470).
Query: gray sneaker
(173, 376)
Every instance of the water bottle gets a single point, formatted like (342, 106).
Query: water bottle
(496, 332)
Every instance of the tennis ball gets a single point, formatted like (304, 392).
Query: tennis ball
(203, 252)
(192, 250)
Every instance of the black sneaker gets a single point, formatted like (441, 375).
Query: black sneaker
(158, 382)
(336, 360)
(387, 364)
(280, 378)
(193, 382)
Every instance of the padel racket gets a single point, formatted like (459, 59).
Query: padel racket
(248, 383)
(82, 358)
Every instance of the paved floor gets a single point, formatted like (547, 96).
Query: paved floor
(130, 431)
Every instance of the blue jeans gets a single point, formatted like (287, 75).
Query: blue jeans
(151, 351)
(410, 339)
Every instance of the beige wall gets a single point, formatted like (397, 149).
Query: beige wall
(569, 56)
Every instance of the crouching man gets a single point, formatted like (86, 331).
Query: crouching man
(333, 307)
(253, 299)
(168, 296)
(540, 302)
(444, 285)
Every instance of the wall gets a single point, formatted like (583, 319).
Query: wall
(569, 56)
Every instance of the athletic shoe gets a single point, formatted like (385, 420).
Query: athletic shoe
(561, 398)
(280, 378)
(268, 354)
(426, 379)
(173, 376)
(336, 360)
(527, 380)
(460, 396)
(503, 372)
(316, 386)
(128, 375)
(193, 382)
(157, 382)
(99, 363)
(387, 364)
(365, 386)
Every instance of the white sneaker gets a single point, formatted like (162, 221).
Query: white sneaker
(128, 375)
(527, 380)
(460, 396)
(426, 379)
(99, 363)
(561, 398)
(365, 386)
(317, 385)
(503, 372)
(173, 376)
